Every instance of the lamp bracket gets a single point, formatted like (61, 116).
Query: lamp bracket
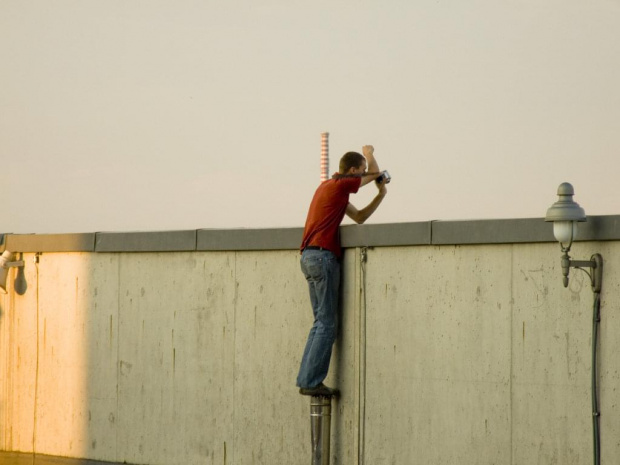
(595, 263)
(582, 264)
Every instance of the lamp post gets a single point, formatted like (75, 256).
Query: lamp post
(565, 214)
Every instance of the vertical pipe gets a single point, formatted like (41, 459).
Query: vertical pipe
(362, 360)
(324, 156)
(595, 412)
(320, 424)
(597, 283)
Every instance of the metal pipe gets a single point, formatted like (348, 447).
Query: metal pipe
(320, 424)
(597, 283)
(596, 318)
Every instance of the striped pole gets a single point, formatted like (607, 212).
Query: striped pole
(324, 156)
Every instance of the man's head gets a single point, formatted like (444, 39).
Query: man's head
(352, 163)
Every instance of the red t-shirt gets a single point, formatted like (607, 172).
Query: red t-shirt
(326, 212)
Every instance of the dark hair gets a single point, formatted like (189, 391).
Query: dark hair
(351, 160)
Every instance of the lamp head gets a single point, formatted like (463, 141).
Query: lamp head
(565, 209)
(565, 213)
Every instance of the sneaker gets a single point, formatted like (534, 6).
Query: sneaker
(319, 391)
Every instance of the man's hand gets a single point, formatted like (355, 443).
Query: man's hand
(381, 187)
(368, 151)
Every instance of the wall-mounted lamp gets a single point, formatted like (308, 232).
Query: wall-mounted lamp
(565, 214)
(6, 262)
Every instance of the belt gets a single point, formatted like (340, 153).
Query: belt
(314, 247)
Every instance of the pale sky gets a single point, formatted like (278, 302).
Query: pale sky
(126, 115)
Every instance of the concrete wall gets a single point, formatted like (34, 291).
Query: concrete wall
(470, 353)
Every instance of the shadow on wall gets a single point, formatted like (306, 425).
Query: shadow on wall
(21, 284)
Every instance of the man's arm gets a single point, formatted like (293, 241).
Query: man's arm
(372, 168)
(360, 216)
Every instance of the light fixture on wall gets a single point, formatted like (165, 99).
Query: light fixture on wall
(6, 262)
(565, 214)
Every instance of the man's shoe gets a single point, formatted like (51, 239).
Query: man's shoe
(319, 391)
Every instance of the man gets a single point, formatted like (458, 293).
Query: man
(320, 260)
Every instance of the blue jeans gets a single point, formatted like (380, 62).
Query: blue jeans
(322, 271)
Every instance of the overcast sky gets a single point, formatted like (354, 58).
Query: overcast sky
(164, 115)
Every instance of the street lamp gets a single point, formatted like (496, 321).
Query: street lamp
(565, 214)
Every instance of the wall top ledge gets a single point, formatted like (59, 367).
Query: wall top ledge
(48, 242)
(460, 232)
(148, 241)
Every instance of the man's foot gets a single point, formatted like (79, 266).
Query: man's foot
(319, 391)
